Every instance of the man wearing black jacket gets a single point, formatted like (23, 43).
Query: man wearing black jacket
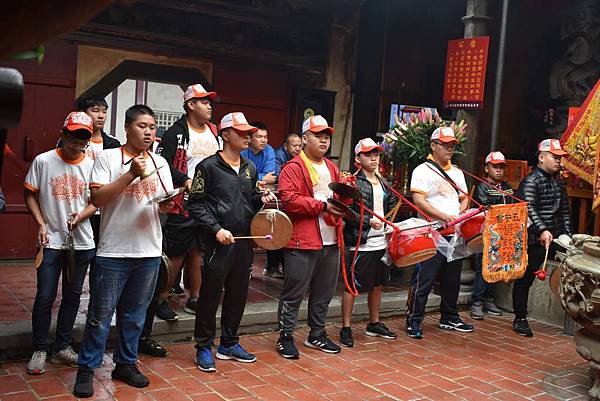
(548, 210)
(223, 200)
(495, 191)
(190, 140)
(370, 273)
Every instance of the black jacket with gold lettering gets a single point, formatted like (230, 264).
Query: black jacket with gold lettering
(222, 198)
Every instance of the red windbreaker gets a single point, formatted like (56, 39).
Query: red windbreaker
(296, 193)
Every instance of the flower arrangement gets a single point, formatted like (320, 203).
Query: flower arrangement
(408, 142)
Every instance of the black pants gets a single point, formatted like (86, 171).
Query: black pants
(153, 306)
(224, 266)
(274, 260)
(535, 260)
(316, 270)
(422, 282)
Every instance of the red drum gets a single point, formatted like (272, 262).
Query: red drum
(410, 247)
(471, 231)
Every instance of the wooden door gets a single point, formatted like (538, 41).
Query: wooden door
(48, 98)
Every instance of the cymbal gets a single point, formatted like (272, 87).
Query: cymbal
(166, 196)
(348, 213)
(345, 190)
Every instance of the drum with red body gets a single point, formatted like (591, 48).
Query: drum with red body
(409, 247)
(472, 230)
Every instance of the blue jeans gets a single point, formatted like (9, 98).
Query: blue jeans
(482, 290)
(53, 264)
(125, 285)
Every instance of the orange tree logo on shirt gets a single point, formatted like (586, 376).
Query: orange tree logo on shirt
(91, 153)
(141, 188)
(67, 187)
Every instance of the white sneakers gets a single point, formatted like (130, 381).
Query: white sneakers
(37, 363)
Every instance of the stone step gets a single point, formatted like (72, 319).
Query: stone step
(15, 337)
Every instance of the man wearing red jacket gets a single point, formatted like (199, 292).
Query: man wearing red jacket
(312, 255)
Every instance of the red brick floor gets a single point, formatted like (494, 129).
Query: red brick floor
(490, 364)
(18, 288)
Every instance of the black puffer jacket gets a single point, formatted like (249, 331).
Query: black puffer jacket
(366, 189)
(490, 195)
(547, 204)
(222, 198)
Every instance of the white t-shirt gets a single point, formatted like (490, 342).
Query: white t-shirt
(202, 144)
(62, 188)
(322, 192)
(375, 238)
(94, 149)
(129, 227)
(439, 193)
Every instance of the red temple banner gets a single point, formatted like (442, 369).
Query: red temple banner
(580, 140)
(464, 82)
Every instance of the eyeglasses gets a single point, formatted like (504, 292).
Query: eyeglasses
(76, 143)
(448, 146)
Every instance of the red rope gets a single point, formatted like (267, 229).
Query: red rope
(490, 185)
(351, 288)
(455, 186)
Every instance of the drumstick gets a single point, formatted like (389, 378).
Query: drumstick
(545, 258)
(268, 236)
(39, 257)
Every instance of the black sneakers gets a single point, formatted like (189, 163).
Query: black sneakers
(346, 337)
(521, 327)
(190, 306)
(84, 383)
(379, 329)
(130, 375)
(414, 330)
(455, 324)
(164, 312)
(177, 290)
(322, 343)
(286, 346)
(150, 347)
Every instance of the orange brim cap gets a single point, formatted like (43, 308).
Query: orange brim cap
(77, 127)
(367, 149)
(558, 152)
(447, 139)
(321, 129)
(497, 162)
(245, 128)
(210, 95)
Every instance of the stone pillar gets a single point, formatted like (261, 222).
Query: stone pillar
(475, 21)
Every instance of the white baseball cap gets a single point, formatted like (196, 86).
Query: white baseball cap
(197, 91)
(316, 124)
(552, 146)
(366, 145)
(444, 134)
(495, 158)
(237, 121)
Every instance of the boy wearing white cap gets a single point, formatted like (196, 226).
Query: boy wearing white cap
(312, 255)
(548, 210)
(370, 273)
(433, 193)
(186, 143)
(493, 193)
(57, 196)
(223, 200)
